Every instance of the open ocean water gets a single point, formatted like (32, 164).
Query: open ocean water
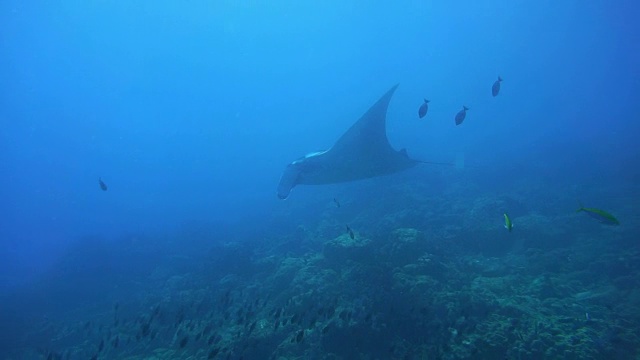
(145, 144)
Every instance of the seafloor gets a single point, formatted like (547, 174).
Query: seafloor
(431, 273)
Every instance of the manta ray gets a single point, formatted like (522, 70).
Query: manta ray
(360, 153)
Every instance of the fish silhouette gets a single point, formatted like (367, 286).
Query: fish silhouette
(103, 186)
(461, 115)
(422, 111)
(495, 89)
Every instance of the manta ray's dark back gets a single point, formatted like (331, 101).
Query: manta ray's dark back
(361, 152)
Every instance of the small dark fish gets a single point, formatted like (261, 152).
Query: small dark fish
(337, 202)
(351, 234)
(461, 115)
(422, 111)
(101, 346)
(184, 342)
(300, 336)
(495, 89)
(103, 186)
(145, 329)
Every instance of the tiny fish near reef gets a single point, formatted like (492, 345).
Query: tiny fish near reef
(507, 222)
(350, 232)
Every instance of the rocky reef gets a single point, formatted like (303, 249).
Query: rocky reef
(424, 275)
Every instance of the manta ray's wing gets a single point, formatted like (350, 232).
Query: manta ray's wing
(368, 135)
(364, 150)
(361, 152)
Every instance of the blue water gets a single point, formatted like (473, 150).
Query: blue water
(189, 112)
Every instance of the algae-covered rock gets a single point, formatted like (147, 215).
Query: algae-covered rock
(285, 273)
(404, 281)
(544, 288)
(405, 235)
(405, 246)
(344, 248)
(483, 213)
